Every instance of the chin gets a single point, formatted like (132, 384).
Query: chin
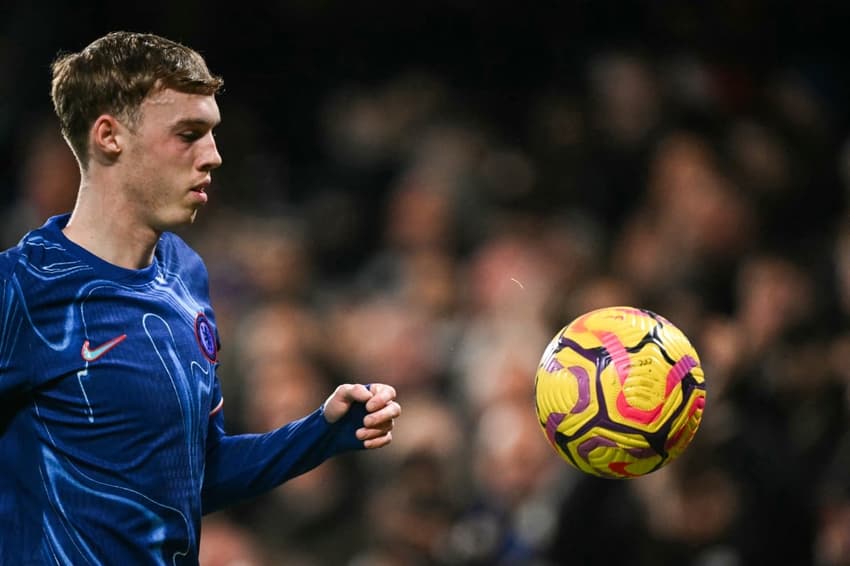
(187, 216)
(176, 222)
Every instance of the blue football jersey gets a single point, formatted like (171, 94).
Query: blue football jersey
(112, 442)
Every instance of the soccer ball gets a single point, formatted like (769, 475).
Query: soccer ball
(619, 392)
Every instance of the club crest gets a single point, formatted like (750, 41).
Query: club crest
(206, 337)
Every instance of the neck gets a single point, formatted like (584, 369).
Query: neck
(107, 227)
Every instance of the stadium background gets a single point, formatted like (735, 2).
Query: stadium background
(423, 193)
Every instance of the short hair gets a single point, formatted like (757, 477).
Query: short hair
(114, 74)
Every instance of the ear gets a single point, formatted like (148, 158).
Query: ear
(106, 139)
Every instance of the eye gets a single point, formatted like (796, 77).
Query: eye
(190, 135)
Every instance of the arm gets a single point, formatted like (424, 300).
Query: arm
(243, 466)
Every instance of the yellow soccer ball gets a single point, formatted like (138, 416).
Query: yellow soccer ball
(619, 392)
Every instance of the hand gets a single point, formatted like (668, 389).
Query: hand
(381, 409)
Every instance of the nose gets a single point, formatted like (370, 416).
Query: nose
(210, 157)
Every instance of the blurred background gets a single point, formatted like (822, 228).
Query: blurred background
(423, 193)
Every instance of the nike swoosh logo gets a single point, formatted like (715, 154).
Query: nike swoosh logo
(90, 355)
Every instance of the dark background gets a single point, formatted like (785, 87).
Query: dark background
(282, 58)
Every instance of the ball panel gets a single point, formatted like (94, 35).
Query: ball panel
(606, 453)
(651, 391)
(676, 344)
(563, 388)
(634, 394)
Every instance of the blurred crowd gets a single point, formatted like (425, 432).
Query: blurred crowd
(432, 247)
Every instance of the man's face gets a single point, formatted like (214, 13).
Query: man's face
(169, 156)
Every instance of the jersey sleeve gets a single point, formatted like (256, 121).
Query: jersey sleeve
(239, 467)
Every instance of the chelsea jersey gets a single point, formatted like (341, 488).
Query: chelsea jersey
(112, 442)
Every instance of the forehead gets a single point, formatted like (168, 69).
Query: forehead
(168, 106)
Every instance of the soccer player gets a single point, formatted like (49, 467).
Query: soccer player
(112, 443)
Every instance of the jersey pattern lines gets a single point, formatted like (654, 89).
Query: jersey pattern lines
(107, 389)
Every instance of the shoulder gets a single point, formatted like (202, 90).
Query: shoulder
(8, 260)
(177, 257)
(174, 251)
(11, 287)
(39, 255)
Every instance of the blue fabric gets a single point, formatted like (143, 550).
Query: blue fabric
(111, 442)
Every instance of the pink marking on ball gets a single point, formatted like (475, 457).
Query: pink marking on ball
(679, 370)
(619, 468)
(698, 405)
(617, 351)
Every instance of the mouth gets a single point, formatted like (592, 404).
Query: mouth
(201, 190)
(202, 186)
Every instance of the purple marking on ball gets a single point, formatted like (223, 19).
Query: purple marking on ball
(552, 423)
(645, 452)
(553, 365)
(583, 380)
(589, 445)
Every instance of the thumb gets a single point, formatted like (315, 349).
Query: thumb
(342, 398)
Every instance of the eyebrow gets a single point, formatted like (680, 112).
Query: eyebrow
(195, 122)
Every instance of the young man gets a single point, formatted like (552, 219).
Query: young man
(112, 443)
